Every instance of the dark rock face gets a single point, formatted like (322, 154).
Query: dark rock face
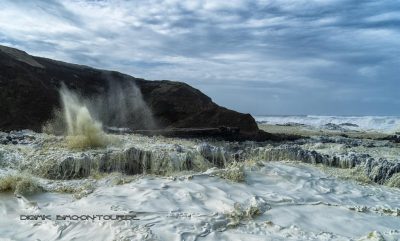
(178, 105)
(392, 138)
(29, 93)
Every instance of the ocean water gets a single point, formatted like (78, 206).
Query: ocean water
(291, 202)
(386, 124)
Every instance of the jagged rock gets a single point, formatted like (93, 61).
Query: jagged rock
(132, 160)
(216, 155)
(378, 170)
(381, 170)
(56, 162)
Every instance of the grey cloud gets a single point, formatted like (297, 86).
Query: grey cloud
(294, 56)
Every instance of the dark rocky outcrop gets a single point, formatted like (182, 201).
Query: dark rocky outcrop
(29, 92)
(393, 138)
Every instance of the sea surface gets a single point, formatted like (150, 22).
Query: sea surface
(290, 202)
(192, 189)
(386, 124)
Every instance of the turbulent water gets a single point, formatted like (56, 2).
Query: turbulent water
(82, 128)
(387, 124)
(276, 202)
(216, 200)
(323, 187)
(120, 106)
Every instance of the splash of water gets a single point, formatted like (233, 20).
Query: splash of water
(19, 183)
(82, 119)
(82, 129)
(122, 106)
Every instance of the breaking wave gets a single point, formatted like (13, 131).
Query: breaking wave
(387, 124)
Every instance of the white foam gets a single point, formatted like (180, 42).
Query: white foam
(303, 204)
(387, 124)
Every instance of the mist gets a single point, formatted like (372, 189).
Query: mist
(121, 106)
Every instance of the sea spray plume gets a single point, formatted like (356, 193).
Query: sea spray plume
(83, 131)
(81, 119)
(123, 106)
(56, 125)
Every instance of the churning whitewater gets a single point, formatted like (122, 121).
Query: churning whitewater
(386, 124)
(82, 129)
(192, 189)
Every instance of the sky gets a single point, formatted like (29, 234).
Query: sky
(264, 57)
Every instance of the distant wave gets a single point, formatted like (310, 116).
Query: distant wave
(387, 124)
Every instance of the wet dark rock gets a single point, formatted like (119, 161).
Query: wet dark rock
(335, 139)
(172, 158)
(334, 127)
(130, 161)
(291, 124)
(71, 168)
(16, 137)
(296, 153)
(381, 170)
(392, 138)
(215, 155)
(221, 132)
(349, 124)
(378, 170)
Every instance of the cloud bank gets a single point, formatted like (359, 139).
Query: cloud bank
(262, 56)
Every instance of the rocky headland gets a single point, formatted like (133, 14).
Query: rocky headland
(29, 94)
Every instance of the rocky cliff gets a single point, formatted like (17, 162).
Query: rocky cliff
(29, 93)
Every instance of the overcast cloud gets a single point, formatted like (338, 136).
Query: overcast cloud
(326, 57)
